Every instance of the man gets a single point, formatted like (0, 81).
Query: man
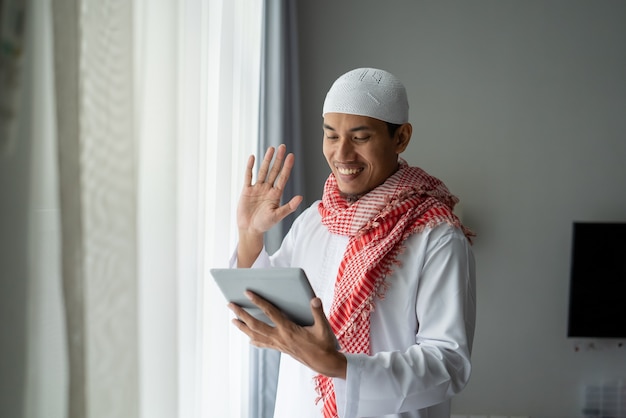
(390, 263)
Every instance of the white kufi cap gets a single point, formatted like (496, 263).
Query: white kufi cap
(369, 92)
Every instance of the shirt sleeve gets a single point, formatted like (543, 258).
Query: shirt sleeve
(283, 256)
(437, 365)
(262, 261)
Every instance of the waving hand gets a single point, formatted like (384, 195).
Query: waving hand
(260, 202)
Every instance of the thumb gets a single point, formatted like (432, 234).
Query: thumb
(320, 318)
(318, 310)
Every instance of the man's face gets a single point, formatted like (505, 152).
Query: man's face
(360, 152)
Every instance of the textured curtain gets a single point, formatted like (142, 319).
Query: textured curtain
(116, 109)
(98, 204)
(147, 112)
(279, 123)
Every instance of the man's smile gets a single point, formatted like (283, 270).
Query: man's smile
(348, 171)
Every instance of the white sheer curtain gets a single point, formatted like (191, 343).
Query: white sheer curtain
(47, 375)
(150, 118)
(231, 132)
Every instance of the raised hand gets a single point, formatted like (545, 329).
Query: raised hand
(259, 206)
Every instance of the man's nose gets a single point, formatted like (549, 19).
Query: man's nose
(345, 149)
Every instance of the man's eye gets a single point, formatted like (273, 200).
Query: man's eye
(331, 137)
(365, 138)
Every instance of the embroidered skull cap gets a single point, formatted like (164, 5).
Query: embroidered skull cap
(369, 92)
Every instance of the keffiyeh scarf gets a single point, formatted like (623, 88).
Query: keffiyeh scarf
(377, 224)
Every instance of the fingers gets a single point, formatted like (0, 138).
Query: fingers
(283, 173)
(256, 339)
(247, 181)
(249, 324)
(280, 170)
(272, 312)
(260, 333)
(314, 346)
(265, 165)
(277, 167)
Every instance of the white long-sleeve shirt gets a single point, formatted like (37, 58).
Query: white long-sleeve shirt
(421, 331)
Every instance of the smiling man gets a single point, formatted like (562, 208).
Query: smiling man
(389, 261)
(361, 151)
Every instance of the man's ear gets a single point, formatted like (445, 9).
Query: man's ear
(403, 136)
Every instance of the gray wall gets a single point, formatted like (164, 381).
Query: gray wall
(519, 107)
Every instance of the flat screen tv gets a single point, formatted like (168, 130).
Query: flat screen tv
(597, 299)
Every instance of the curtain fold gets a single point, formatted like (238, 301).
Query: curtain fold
(279, 122)
(156, 112)
(97, 178)
(115, 78)
(156, 66)
(46, 381)
(65, 14)
(191, 172)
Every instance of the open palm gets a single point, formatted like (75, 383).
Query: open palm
(259, 205)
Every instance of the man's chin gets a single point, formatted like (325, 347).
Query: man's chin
(351, 197)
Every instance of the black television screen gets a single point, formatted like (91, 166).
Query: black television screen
(597, 300)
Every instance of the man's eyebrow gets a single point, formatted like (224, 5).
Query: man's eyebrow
(355, 129)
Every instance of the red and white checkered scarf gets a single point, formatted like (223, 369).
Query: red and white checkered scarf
(377, 224)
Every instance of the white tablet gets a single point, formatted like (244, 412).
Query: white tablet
(286, 288)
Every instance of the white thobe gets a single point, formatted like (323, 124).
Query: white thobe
(421, 331)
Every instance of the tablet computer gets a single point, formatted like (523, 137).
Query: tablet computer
(287, 288)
